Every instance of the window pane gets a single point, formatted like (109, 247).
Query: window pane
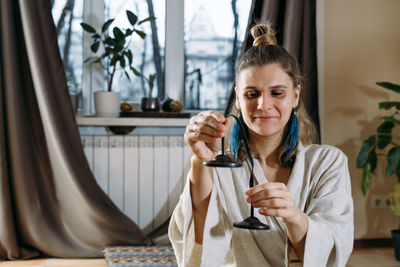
(67, 15)
(209, 51)
(148, 53)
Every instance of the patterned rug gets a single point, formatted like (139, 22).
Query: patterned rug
(140, 256)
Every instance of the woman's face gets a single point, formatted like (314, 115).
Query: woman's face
(266, 96)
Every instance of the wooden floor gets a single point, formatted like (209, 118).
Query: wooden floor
(373, 257)
(366, 257)
(57, 262)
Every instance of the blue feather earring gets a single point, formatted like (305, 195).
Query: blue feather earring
(291, 139)
(236, 137)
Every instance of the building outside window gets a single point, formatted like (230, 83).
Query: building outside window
(211, 46)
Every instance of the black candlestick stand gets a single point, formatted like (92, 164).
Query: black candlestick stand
(226, 161)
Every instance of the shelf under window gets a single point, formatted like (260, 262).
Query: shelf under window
(161, 119)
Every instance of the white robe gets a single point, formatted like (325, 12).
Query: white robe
(320, 186)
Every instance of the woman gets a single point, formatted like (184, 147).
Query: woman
(302, 189)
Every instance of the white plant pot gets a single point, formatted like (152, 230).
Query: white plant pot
(107, 104)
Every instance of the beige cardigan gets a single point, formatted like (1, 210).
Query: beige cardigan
(320, 186)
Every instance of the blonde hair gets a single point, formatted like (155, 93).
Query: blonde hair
(263, 35)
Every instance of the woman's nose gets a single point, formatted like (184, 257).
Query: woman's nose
(264, 103)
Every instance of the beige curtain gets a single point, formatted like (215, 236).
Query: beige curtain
(50, 203)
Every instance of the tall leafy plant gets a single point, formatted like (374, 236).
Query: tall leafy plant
(383, 139)
(150, 83)
(117, 54)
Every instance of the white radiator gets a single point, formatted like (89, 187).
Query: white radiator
(143, 175)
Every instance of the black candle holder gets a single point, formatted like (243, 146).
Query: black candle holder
(226, 161)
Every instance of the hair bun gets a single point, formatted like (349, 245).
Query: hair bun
(263, 35)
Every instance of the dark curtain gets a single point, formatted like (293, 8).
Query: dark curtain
(295, 30)
(50, 203)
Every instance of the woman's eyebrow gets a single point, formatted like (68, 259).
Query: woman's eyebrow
(250, 87)
(279, 86)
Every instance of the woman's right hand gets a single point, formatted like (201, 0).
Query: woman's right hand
(204, 132)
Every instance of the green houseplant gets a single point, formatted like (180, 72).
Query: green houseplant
(116, 55)
(150, 103)
(385, 139)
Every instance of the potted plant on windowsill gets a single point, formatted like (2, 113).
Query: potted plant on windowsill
(116, 56)
(384, 140)
(150, 103)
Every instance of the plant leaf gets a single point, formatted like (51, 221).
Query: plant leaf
(89, 59)
(390, 86)
(96, 36)
(398, 172)
(95, 46)
(110, 41)
(106, 25)
(131, 17)
(114, 60)
(388, 105)
(152, 77)
(129, 56)
(117, 48)
(127, 75)
(141, 34)
(372, 159)
(391, 119)
(367, 146)
(135, 71)
(385, 128)
(366, 178)
(87, 27)
(151, 81)
(128, 32)
(147, 19)
(119, 36)
(122, 61)
(393, 159)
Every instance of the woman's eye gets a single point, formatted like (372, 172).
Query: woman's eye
(277, 93)
(252, 94)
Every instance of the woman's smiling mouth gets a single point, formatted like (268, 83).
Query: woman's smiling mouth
(265, 117)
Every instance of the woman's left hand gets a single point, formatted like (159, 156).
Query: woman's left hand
(274, 199)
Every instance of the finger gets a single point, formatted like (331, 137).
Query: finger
(268, 194)
(216, 115)
(267, 185)
(201, 119)
(198, 136)
(279, 213)
(206, 124)
(274, 203)
(206, 129)
(203, 129)
(211, 122)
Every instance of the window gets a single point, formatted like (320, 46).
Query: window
(193, 47)
(148, 53)
(214, 31)
(67, 15)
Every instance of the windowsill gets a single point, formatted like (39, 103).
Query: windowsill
(131, 121)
